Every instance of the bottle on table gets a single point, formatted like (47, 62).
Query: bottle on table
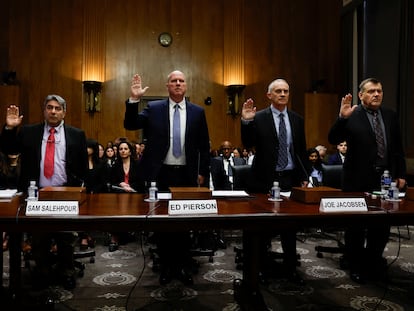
(393, 192)
(275, 191)
(153, 192)
(32, 191)
(385, 182)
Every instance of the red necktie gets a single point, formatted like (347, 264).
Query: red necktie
(50, 154)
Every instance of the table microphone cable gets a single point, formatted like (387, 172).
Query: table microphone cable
(18, 211)
(144, 264)
(150, 211)
(379, 303)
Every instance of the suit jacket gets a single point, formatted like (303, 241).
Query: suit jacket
(27, 140)
(218, 173)
(359, 167)
(155, 122)
(134, 180)
(334, 159)
(261, 133)
(96, 179)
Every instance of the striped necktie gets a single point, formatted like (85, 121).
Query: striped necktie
(379, 135)
(283, 153)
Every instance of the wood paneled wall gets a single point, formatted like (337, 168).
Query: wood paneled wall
(45, 42)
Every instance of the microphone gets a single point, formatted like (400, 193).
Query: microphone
(76, 178)
(304, 171)
(198, 168)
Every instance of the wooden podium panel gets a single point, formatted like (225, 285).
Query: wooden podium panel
(184, 193)
(314, 195)
(63, 194)
(409, 194)
(321, 111)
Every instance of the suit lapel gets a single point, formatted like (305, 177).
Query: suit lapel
(189, 116)
(271, 122)
(362, 115)
(387, 125)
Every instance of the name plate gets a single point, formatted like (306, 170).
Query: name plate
(343, 205)
(192, 207)
(52, 208)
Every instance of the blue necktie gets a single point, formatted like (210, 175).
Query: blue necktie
(176, 132)
(229, 169)
(283, 156)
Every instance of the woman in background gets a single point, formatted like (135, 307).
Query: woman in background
(314, 168)
(125, 177)
(94, 182)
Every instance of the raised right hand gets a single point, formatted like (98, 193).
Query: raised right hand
(248, 110)
(136, 87)
(346, 106)
(13, 117)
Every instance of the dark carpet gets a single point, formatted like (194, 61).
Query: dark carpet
(124, 280)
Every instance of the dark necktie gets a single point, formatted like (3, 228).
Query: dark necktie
(283, 155)
(229, 170)
(50, 154)
(379, 135)
(176, 132)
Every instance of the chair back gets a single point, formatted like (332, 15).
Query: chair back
(332, 175)
(241, 176)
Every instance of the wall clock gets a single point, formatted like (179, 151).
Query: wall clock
(165, 39)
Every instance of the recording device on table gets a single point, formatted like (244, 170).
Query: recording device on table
(114, 187)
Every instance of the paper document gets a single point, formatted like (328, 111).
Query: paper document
(164, 195)
(8, 193)
(229, 193)
(285, 194)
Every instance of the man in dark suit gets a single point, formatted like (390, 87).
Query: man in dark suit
(369, 153)
(162, 162)
(158, 161)
(221, 167)
(263, 131)
(70, 164)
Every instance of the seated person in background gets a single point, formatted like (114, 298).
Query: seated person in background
(124, 178)
(245, 155)
(101, 152)
(237, 152)
(251, 156)
(109, 158)
(220, 167)
(339, 156)
(322, 152)
(314, 168)
(94, 182)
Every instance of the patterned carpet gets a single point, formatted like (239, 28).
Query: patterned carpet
(124, 280)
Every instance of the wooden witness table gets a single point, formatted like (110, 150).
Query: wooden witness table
(253, 215)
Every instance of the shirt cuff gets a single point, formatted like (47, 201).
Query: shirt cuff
(243, 121)
(133, 101)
